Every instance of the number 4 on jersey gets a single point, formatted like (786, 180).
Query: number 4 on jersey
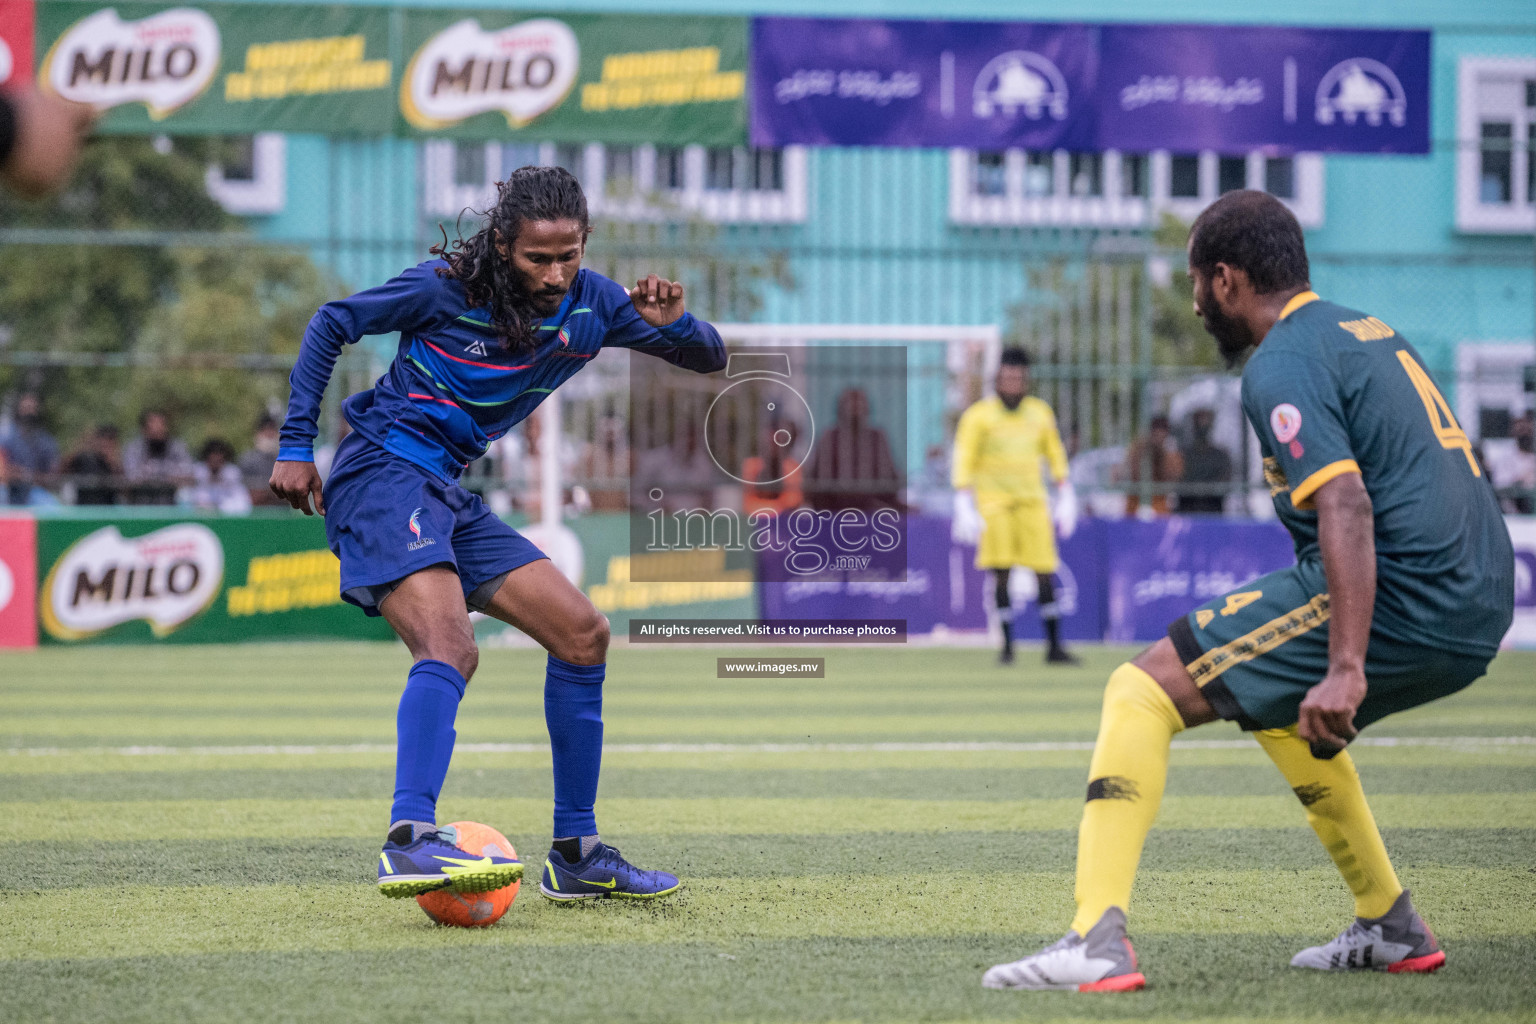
(1447, 430)
(1237, 602)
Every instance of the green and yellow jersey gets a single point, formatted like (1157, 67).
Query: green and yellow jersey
(998, 450)
(1332, 391)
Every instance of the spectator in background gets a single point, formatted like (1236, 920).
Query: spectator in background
(31, 455)
(683, 470)
(1151, 457)
(1511, 465)
(524, 468)
(1207, 467)
(930, 492)
(217, 481)
(96, 469)
(256, 462)
(155, 463)
(773, 477)
(605, 465)
(850, 466)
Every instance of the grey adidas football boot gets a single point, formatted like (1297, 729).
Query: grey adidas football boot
(1398, 941)
(1101, 961)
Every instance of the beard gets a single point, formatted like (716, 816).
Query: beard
(1010, 403)
(545, 303)
(1233, 336)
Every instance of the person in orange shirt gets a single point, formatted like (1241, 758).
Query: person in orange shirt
(1152, 451)
(775, 484)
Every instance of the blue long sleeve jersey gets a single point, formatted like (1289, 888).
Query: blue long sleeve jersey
(452, 388)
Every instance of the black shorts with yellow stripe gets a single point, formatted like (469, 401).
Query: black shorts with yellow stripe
(1255, 652)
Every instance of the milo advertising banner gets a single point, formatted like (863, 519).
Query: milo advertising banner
(228, 69)
(191, 580)
(15, 41)
(493, 74)
(220, 69)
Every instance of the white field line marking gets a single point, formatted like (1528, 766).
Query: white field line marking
(739, 748)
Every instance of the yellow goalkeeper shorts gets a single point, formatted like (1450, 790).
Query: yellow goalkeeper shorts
(1018, 532)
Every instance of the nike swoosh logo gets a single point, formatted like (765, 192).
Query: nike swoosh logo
(602, 885)
(458, 862)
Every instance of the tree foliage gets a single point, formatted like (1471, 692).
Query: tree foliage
(148, 299)
(1178, 336)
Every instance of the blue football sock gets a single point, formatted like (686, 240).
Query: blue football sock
(425, 738)
(573, 710)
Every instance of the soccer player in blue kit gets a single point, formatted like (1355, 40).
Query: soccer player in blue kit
(486, 331)
(1402, 590)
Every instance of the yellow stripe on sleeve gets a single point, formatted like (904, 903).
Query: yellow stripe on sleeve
(1301, 494)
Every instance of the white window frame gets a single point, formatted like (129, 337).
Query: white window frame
(1474, 77)
(1491, 375)
(1112, 209)
(267, 191)
(443, 198)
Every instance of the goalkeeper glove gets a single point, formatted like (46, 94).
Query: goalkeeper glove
(967, 525)
(1064, 510)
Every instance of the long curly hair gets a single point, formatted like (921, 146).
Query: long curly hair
(528, 194)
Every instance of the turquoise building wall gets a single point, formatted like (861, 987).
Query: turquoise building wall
(878, 245)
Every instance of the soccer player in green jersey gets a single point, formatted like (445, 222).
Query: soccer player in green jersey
(1402, 589)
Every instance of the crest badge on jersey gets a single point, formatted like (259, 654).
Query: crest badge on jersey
(1285, 421)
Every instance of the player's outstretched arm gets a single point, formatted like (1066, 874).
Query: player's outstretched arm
(408, 302)
(1346, 531)
(656, 320)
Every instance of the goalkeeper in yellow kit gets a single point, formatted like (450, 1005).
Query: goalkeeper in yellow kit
(1001, 504)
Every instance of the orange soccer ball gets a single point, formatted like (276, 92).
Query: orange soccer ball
(473, 909)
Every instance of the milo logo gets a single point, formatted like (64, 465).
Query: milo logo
(521, 71)
(164, 61)
(105, 579)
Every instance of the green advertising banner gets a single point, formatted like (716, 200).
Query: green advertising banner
(232, 69)
(608, 579)
(192, 580)
(221, 69)
(487, 74)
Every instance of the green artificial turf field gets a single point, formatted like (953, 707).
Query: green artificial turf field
(855, 847)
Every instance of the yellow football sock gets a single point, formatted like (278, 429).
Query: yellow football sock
(1337, 812)
(1125, 787)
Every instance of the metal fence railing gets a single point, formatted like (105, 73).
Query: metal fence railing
(110, 306)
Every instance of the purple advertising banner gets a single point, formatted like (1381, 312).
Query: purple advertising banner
(1156, 571)
(945, 590)
(983, 85)
(1193, 87)
(1079, 587)
(941, 587)
(997, 85)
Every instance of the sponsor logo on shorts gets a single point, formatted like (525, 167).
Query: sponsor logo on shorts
(420, 542)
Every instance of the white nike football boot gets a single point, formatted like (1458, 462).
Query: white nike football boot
(1101, 961)
(1398, 941)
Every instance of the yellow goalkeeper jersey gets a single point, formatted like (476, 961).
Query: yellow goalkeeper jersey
(998, 451)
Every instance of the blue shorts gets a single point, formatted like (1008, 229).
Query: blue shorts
(386, 518)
